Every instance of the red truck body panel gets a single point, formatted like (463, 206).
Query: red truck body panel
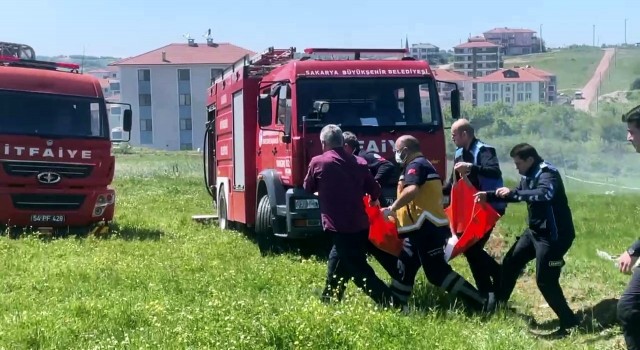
(239, 150)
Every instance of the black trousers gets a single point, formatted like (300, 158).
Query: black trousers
(549, 256)
(425, 248)
(629, 312)
(348, 259)
(484, 268)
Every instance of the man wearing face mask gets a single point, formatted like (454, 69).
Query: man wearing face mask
(423, 223)
(342, 180)
(549, 235)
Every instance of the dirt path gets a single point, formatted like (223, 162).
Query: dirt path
(590, 91)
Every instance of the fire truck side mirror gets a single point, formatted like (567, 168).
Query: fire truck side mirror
(321, 107)
(126, 120)
(264, 110)
(455, 104)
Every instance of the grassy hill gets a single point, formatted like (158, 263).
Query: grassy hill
(88, 62)
(624, 69)
(573, 66)
(163, 281)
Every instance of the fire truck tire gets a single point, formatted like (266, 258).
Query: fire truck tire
(264, 231)
(223, 220)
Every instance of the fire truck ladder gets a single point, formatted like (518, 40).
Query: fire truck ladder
(270, 59)
(21, 51)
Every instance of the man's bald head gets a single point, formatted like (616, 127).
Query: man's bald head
(408, 141)
(462, 132)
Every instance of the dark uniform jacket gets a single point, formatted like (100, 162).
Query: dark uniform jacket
(381, 169)
(547, 204)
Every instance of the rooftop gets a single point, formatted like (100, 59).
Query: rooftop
(506, 30)
(511, 75)
(475, 43)
(186, 54)
(448, 75)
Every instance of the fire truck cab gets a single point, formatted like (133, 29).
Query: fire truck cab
(265, 114)
(56, 165)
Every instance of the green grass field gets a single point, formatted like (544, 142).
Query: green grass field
(622, 71)
(573, 67)
(164, 282)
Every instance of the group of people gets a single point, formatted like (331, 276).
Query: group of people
(344, 173)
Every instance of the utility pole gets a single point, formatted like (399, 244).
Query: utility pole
(594, 35)
(541, 38)
(625, 31)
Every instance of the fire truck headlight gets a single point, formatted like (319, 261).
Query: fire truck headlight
(307, 204)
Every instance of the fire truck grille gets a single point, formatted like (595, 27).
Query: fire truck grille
(47, 201)
(68, 171)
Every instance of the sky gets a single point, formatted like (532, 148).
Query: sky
(124, 28)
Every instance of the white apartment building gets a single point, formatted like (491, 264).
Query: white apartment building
(477, 58)
(166, 88)
(465, 85)
(513, 86)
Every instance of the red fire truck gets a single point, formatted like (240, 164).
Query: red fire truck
(264, 118)
(55, 147)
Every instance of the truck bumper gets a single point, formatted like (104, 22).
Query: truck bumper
(57, 209)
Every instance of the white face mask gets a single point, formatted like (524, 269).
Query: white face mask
(399, 157)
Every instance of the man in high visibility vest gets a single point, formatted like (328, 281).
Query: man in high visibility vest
(422, 221)
(629, 303)
(479, 163)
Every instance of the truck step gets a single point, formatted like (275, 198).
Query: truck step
(204, 218)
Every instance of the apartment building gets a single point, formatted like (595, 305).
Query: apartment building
(514, 41)
(465, 85)
(514, 86)
(477, 58)
(427, 52)
(166, 88)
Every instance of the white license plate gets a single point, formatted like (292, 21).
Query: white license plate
(47, 218)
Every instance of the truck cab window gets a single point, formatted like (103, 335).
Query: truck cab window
(388, 102)
(284, 104)
(27, 113)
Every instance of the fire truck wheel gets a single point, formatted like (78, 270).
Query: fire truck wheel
(264, 232)
(222, 212)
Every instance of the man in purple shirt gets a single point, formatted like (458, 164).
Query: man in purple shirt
(342, 180)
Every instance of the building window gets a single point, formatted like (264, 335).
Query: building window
(185, 99)
(527, 86)
(114, 86)
(116, 110)
(487, 97)
(527, 96)
(507, 99)
(184, 74)
(215, 72)
(144, 99)
(185, 124)
(520, 97)
(186, 146)
(144, 75)
(146, 125)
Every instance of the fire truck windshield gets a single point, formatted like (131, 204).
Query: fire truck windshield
(374, 102)
(27, 113)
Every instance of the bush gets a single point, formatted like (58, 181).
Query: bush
(568, 138)
(635, 85)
